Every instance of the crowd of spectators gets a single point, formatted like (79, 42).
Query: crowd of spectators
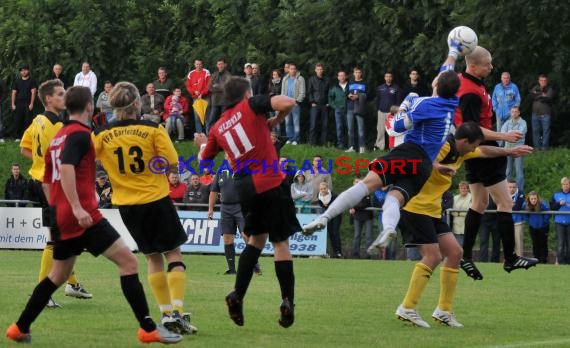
(197, 103)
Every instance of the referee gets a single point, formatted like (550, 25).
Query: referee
(231, 215)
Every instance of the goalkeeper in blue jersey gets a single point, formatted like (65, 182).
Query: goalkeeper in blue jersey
(407, 167)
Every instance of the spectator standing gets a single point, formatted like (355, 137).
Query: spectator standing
(515, 123)
(517, 196)
(197, 83)
(152, 104)
(103, 101)
(57, 73)
(415, 85)
(505, 96)
(542, 99)
(86, 78)
(337, 101)
(325, 198)
(301, 192)
(356, 110)
(316, 175)
(258, 81)
(163, 83)
(103, 190)
(318, 92)
(561, 202)
(219, 77)
(387, 94)
(362, 220)
(16, 186)
(489, 230)
(274, 88)
(538, 225)
(196, 193)
(461, 201)
(248, 73)
(176, 188)
(24, 90)
(293, 86)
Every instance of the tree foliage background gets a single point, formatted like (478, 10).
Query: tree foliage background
(129, 39)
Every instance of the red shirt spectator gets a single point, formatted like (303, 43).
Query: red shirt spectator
(198, 81)
(176, 188)
(207, 178)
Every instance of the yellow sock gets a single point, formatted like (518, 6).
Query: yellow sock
(159, 287)
(72, 278)
(448, 284)
(418, 282)
(177, 286)
(46, 262)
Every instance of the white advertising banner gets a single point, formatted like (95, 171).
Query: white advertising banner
(204, 236)
(21, 228)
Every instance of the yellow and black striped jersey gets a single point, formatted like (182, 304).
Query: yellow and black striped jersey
(37, 137)
(125, 149)
(428, 201)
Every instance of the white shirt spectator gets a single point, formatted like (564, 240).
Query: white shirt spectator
(86, 78)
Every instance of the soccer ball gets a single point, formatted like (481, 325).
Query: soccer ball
(462, 38)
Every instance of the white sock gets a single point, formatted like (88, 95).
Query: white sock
(390, 213)
(346, 200)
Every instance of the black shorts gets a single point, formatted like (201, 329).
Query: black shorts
(395, 168)
(96, 239)
(155, 226)
(487, 171)
(419, 229)
(272, 211)
(231, 219)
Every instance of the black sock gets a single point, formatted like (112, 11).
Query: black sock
(506, 228)
(36, 304)
(230, 252)
(286, 277)
(134, 293)
(472, 224)
(247, 261)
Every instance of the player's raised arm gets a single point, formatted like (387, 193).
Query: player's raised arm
(460, 42)
(283, 105)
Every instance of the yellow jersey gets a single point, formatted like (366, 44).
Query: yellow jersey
(428, 201)
(37, 137)
(125, 149)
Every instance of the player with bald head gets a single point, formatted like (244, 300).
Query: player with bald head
(485, 175)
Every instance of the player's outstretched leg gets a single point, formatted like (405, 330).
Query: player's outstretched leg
(342, 203)
(235, 308)
(520, 262)
(286, 277)
(470, 269)
(390, 218)
(506, 228)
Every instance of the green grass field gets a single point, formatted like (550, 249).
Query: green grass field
(339, 303)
